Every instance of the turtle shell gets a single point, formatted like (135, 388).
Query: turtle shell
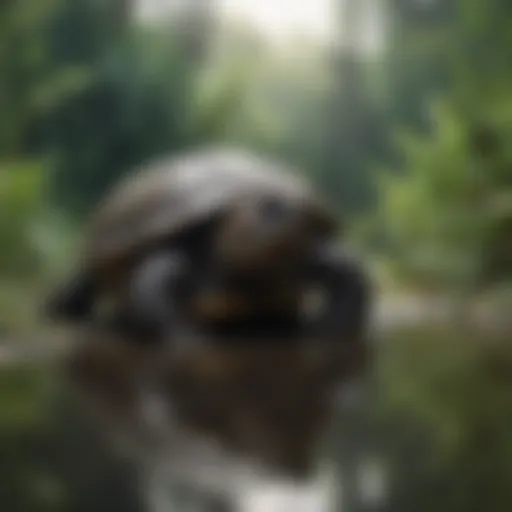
(170, 196)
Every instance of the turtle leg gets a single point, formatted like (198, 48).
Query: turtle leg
(154, 296)
(345, 311)
(73, 300)
(340, 325)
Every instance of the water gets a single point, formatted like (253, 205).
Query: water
(439, 391)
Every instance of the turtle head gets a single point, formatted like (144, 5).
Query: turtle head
(269, 232)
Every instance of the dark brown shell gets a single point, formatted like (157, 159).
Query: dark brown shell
(167, 198)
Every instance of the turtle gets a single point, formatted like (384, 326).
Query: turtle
(212, 236)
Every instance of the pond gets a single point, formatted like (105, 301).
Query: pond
(435, 435)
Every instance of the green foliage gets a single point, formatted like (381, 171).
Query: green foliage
(31, 236)
(119, 106)
(22, 63)
(20, 204)
(36, 244)
(138, 98)
(220, 96)
(438, 215)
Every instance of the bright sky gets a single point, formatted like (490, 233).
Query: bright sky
(281, 18)
(275, 19)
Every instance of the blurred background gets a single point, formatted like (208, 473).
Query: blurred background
(400, 111)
